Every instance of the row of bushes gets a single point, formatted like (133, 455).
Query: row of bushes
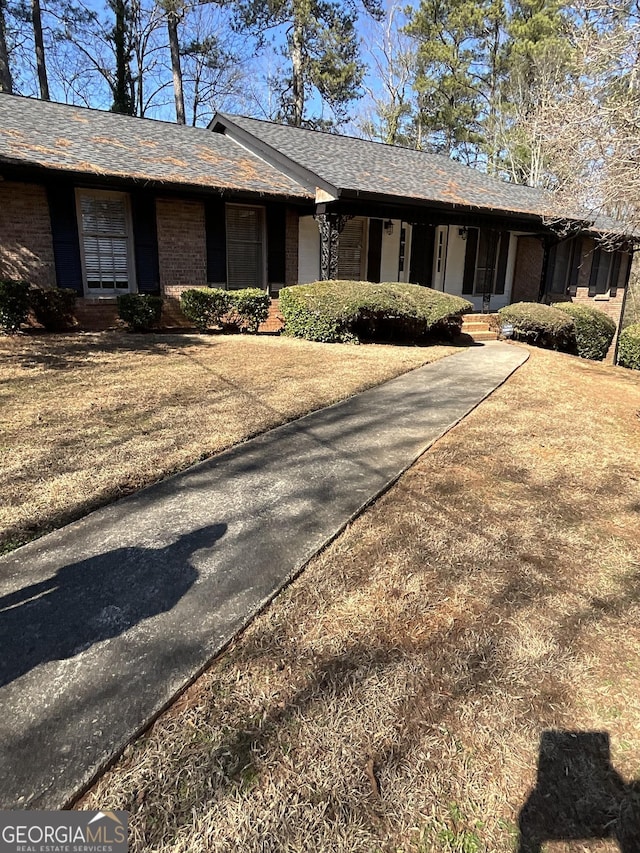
(340, 311)
(241, 310)
(345, 311)
(565, 326)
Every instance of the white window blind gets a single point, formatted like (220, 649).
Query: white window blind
(350, 250)
(105, 241)
(245, 247)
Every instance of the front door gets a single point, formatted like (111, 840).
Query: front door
(421, 262)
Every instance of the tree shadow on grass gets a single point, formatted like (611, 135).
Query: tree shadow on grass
(65, 351)
(579, 796)
(94, 600)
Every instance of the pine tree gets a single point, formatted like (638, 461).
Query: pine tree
(536, 72)
(322, 50)
(449, 75)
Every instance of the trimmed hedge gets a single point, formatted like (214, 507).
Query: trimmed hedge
(629, 347)
(140, 311)
(204, 306)
(236, 310)
(540, 325)
(54, 309)
(347, 311)
(14, 304)
(594, 330)
(247, 309)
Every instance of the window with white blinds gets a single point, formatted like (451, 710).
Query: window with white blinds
(351, 250)
(245, 247)
(105, 240)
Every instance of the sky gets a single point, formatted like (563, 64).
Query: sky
(83, 84)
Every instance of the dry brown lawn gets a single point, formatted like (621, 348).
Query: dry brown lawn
(90, 418)
(394, 697)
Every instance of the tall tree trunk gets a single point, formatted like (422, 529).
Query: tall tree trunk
(172, 26)
(392, 125)
(297, 63)
(6, 83)
(122, 100)
(39, 43)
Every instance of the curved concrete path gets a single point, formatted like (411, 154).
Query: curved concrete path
(104, 621)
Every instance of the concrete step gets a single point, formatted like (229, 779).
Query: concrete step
(482, 336)
(478, 326)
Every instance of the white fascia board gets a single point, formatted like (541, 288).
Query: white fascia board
(308, 179)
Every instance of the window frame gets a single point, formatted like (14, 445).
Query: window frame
(263, 285)
(574, 260)
(616, 260)
(132, 286)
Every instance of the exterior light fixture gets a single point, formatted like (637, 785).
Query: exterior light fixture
(463, 232)
(388, 227)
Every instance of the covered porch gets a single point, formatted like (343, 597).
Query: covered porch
(470, 255)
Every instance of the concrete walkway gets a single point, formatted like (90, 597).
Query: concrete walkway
(104, 621)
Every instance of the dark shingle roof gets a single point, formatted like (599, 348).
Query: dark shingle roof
(76, 139)
(359, 166)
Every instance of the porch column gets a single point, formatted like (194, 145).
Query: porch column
(331, 226)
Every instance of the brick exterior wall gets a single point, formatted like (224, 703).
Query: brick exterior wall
(528, 269)
(26, 247)
(182, 248)
(291, 247)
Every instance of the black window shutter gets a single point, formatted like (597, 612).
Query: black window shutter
(595, 264)
(276, 227)
(576, 263)
(503, 254)
(145, 240)
(615, 274)
(64, 233)
(374, 255)
(421, 260)
(470, 260)
(216, 239)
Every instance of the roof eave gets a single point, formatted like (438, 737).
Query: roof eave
(457, 207)
(23, 168)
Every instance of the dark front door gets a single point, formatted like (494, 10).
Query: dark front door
(421, 262)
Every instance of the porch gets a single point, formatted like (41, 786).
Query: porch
(473, 257)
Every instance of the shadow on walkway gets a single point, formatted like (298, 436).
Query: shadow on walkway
(579, 796)
(95, 599)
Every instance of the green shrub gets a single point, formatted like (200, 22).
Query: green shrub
(140, 311)
(629, 347)
(594, 330)
(344, 311)
(540, 325)
(247, 309)
(204, 306)
(14, 304)
(54, 309)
